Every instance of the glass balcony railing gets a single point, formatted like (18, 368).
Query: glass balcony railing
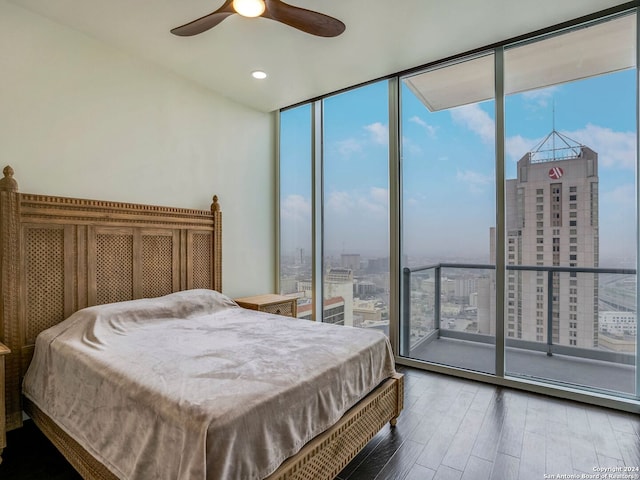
(570, 325)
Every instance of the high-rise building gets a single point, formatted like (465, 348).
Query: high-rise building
(333, 310)
(338, 282)
(552, 220)
(350, 261)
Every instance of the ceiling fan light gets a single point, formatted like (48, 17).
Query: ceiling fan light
(249, 8)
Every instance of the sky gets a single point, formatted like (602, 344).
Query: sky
(448, 167)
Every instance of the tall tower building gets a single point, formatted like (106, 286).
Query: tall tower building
(339, 283)
(552, 220)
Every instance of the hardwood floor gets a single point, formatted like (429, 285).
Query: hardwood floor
(30, 456)
(463, 430)
(450, 429)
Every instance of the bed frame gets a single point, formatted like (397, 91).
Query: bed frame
(59, 255)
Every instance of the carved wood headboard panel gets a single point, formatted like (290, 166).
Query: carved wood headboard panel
(58, 255)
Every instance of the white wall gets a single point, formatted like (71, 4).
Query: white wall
(79, 118)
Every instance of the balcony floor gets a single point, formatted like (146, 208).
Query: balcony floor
(480, 357)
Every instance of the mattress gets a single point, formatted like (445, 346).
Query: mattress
(191, 386)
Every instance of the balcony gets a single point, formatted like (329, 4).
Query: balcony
(570, 326)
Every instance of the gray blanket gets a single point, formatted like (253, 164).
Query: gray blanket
(191, 386)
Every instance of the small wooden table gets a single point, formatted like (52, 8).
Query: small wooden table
(271, 303)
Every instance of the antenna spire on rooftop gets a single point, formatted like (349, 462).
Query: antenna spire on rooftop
(548, 151)
(553, 122)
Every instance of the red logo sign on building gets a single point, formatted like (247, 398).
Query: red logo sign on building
(555, 173)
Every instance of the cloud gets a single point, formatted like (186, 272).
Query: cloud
(410, 147)
(359, 221)
(339, 202)
(621, 196)
(430, 129)
(349, 204)
(516, 146)
(540, 98)
(380, 195)
(379, 133)
(295, 208)
(614, 149)
(476, 120)
(475, 181)
(348, 147)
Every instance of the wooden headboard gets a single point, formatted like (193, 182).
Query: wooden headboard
(58, 255)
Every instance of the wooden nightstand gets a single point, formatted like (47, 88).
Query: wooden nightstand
(270, 303)
(3, 426)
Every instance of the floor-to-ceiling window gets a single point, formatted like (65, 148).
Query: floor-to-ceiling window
(351, 172)
(296, 206)
(356, 207)
(448, 197)
(570, 124)
(517, 211)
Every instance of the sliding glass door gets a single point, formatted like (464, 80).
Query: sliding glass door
(448, 199)
(571, 207)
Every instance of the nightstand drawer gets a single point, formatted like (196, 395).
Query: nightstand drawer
(270, 303)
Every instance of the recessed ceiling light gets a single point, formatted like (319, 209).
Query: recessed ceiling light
(259, 74)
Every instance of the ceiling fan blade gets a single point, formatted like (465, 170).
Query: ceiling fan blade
(305, 20)
(203, 24)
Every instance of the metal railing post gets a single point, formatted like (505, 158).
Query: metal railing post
(436, 303)
(537, 345)
(549, 312)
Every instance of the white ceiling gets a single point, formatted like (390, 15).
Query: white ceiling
(382, 37)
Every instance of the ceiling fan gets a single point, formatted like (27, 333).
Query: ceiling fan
(308, 21)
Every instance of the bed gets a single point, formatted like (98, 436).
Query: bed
(61, 255)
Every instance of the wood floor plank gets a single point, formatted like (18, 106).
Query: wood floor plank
(535, 418)
(447, 473)
(505, 467)
(438, 445)
(371, 461)
(418, 472)
(630, 448)
(400, 464)
(604, 437)
(558, 449)
(513, 426)
(364, 453)
(370, 466)
(583, 454)
(556, 411)
(434, 451)
(426, 427)
(477, 469)
(486, 445)
(533, 457)
(465, 438)
(485, 396)
(605, 461)
(578, 422)
(624, 422)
